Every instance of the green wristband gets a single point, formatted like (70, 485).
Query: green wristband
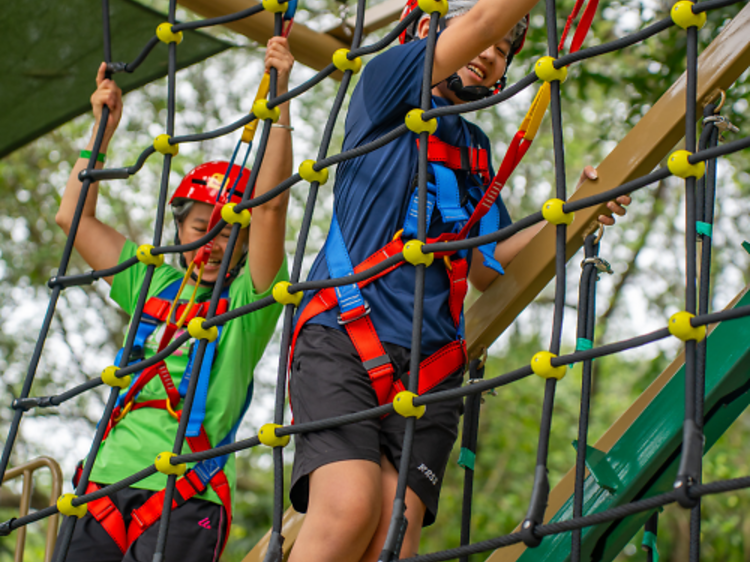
(101, 157)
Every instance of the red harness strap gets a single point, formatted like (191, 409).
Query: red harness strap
(359, 327)
(466, 158)
(110, 518)
(159, 309)
(103, 509)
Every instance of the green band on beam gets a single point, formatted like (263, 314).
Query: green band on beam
(466, 458)
(649, 541)
(583, 344)
(746, 246)
(704, 228)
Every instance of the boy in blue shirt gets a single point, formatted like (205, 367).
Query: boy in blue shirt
(345, 478)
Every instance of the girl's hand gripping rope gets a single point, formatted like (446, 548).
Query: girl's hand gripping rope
(107, 93)
(279, 57)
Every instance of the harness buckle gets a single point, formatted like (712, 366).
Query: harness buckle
(173, 316)
(377, 362)
(354, 314)
(134, 517)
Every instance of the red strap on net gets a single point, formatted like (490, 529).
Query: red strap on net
(526, 133)
(433, 370)
(583, 26)
(110, 518)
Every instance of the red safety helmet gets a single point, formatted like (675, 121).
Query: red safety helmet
(203, 183)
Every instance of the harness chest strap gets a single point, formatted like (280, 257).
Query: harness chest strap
(467, 158)
(158, 309)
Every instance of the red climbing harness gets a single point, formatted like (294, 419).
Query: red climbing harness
(194, 481)
(433, 370)
(109, 517)
(356, 321)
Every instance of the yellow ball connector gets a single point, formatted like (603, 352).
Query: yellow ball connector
(403, 403)
(552, 211)
(166, 35)
(416, 124)
(683, 16)
(267, 436)
(145, 255)
(197, 331)
(161, 144)
(541, 364)
(274, 6)
(430, 6)
(413, 253)
(66, 507)
(163, 464)
(681, 167)
(282, 295)
(229, 215)
(262, 112)
(308, 173)
(681, 328)
(110, 378)
(342, 62)
(545, 70)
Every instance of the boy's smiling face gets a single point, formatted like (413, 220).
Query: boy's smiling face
(484, 70)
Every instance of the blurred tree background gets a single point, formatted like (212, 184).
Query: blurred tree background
(602, 100)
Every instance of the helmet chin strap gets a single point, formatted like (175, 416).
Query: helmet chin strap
(471, 93)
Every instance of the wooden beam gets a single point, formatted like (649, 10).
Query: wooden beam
(636, 155)
(311, 48)
(290, 527)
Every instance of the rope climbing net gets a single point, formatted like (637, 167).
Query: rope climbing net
(696, 164)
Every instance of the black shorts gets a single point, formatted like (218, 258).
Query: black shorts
(196, 533)
(328, 380)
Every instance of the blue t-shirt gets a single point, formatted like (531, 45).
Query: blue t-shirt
(373, 192)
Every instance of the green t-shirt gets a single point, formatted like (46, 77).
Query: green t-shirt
(134, 443)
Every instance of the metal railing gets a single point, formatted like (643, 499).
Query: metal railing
(26, 471)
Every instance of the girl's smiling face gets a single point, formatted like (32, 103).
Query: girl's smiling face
(195, 225)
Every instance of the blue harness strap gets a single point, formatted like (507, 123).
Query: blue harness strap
(448, 194)
(208, 468)
(410, 222)
(146, 327)
(198, 410)
(340, 265)
(489, 223)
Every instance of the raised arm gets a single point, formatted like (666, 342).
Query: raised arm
(268, 227)
(99, 244)
(486, 24)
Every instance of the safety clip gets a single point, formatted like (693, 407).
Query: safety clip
(721, 123)
(601, 264)
(356, 314)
